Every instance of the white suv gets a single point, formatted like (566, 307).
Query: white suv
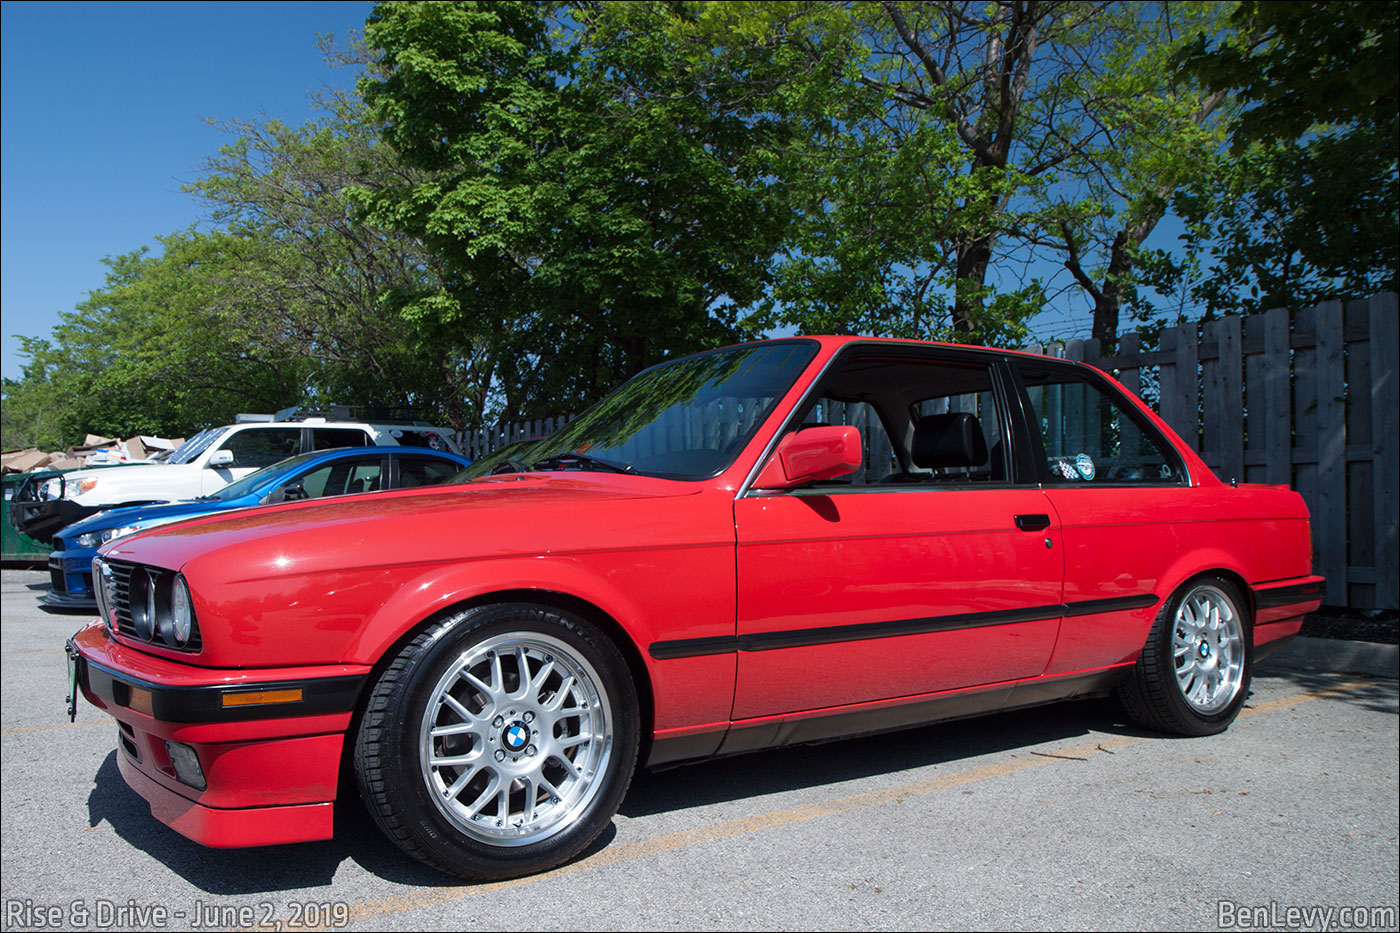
(206, 463)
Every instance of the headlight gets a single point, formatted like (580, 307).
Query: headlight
(181, 612)
(98, 538)
(146, 604)
(59, 488)
(102, 586)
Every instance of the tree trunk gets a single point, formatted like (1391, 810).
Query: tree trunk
(973, 260)
(1109, 298)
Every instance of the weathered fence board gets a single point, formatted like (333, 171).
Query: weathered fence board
(1384, 331)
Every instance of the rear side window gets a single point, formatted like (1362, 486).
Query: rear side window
(1090, 438)
(424, 471)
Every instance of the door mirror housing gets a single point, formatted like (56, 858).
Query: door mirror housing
(810, 456)
(220, 458)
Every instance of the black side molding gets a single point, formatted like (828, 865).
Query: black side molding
(1287, 595)
(801, 638)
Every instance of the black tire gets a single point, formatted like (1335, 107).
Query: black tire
(1193, 680)
(531, 715)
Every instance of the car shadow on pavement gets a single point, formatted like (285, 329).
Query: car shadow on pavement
(797, 767)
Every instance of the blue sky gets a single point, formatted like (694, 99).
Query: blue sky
(103, 120)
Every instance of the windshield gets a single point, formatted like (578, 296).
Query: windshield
(195, 446)
(687, 419)
(253, 480)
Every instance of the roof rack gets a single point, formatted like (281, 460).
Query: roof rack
(362, 413)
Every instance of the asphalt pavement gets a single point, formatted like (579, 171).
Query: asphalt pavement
(1063, 817)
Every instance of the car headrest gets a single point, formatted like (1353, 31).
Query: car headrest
(950, 440)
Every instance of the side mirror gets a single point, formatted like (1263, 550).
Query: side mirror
(220, 458)
(810, 456)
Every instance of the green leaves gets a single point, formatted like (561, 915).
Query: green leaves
(593, 193)
(1304, 208)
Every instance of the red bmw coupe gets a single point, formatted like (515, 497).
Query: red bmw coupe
(767, 544)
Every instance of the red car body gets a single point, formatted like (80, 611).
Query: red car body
(748, 617)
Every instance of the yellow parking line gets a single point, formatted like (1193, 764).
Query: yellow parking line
(1296, 699)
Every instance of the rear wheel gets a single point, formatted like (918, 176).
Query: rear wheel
(1193, 675)
(500, 741)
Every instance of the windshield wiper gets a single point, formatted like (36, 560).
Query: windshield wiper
(565, 456)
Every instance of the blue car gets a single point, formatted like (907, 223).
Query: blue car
(308, 476)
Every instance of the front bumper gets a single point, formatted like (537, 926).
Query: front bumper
(43, 519)
(70, 579)
(269, 769)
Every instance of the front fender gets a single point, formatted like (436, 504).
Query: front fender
(688, 695)
(439, 589)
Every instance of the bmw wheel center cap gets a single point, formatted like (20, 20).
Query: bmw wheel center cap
(516, 737)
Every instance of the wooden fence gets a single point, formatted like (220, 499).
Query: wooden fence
(482, 441)
(1309, 399)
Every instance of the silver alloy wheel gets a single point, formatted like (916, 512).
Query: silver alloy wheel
(1208, 649)
(516, 738)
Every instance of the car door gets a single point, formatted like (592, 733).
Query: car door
(338, 477)
(930, 569)
(1123, 496)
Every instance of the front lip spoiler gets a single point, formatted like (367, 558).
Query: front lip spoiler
(204, 704)
(64, 601)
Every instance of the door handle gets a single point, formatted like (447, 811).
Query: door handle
(1032, 522)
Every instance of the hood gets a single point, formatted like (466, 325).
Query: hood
(516, 514)
(168, 511)
(161, 482)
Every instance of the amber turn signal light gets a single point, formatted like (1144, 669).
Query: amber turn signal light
(261, 697)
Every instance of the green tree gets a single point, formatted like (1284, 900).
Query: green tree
(597, 207)
(939, 148)
(321, 285)
(145, 354)
(1303, 207)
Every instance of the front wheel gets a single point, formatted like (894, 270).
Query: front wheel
(500, 741)
(1193, 675)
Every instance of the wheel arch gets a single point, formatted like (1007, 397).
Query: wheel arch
(1210, 563)
(555, 599)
